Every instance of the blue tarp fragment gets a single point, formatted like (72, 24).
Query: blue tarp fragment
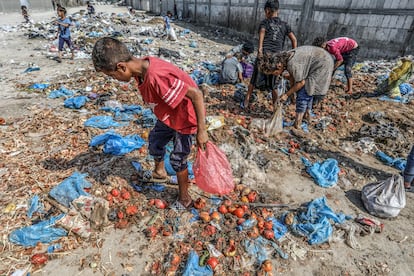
(75, 102)
(43, 232)
(116, 144)
(314, 223)
(103, 122)
(71, 188)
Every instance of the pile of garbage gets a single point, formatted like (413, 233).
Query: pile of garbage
(72, 171)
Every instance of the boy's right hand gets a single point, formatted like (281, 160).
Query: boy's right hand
(202, 138)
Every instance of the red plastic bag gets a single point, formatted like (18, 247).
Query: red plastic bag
(212, 171)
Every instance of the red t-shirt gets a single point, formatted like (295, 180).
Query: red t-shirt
(164, 89)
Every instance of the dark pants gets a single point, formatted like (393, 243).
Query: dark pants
(262, 81)
(62, 42)
(159, 137)
(409, 168)
(349, 61)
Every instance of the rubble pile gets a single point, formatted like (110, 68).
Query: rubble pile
(61, 191)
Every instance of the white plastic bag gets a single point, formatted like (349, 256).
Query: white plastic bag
(171, 34)
(275, 125)
(386, 198)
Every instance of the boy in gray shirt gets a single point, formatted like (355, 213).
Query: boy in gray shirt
(231, 69)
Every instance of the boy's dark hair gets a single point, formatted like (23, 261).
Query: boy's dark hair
(108, 52)
(268, 63)
(318, 41)
(24, 7)
(248, 47)
(62, 9)
(272, 5)
(169, 13)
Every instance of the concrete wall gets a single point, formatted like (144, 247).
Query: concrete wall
(41, 5)
(383, 28)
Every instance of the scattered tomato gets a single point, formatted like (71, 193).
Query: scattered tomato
(120, 215)
(205, 216)
(215, 216)
(115, 192)
(39, 259)
(175, 259)
(269, 234)
(223, 209)
(200, 203)
(239, 212)
(160, 204)
(252, 196)
(109, 197)
(268, 225)
(212, 262)
(131, 210)
(126, 195)
(227, 202)
(151, 232)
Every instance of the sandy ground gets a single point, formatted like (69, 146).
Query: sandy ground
(127, 252)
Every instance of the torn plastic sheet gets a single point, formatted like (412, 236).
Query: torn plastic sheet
(398, 163)
(117, 144)
(43, 232)
(70, 189)
(75, 102)
(61, 92)
(325, 174)
(103, 122)
(314, 223)
(192, 267)
(34, 206)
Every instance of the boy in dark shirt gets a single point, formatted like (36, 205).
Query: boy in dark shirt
(272, 34)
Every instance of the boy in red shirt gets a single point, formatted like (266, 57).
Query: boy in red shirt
(344, 50)
(175, 100)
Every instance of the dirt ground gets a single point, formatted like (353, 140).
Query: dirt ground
(42, 143)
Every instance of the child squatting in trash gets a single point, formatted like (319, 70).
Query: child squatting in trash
(175, 100)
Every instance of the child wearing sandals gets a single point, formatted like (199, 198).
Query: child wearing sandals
(175, 100)
(64, 32)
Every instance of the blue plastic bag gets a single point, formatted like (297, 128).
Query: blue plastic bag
(75, 102)
(103, 122)
(71, 188)
(116, 144)
(279, 229)
(170, 170)
(61, 92)
(39, 86)
(259, 248)
(192, 268)
(43, 232)
(34, 206)
(314, 223)
(148, 118)
(31, 69)
(325, 174)
(398, 163)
